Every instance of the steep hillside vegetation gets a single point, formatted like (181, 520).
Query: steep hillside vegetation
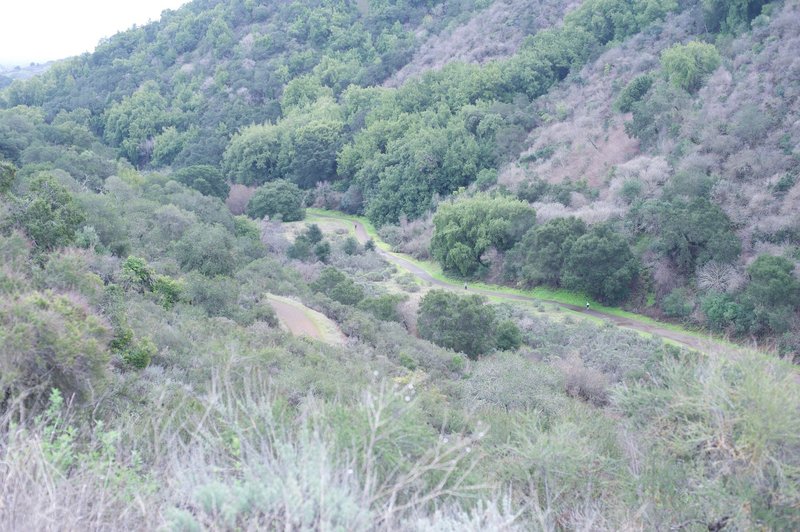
(641, 153)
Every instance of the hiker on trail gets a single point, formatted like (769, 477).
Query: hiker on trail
(465, 286)
(587, 305)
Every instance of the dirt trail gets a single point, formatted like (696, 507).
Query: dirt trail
(303, 321)
(689, 340)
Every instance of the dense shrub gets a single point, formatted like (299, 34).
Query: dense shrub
(687, 66)
(462, 323)
(600, 263)
(51, 341)
(466, 229)
(338, 287)
(277, 198)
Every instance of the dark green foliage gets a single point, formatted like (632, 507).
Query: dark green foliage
(465, 324)
(466, 229)
(773, 282)
(299, 250)
(723, 313)
(338, 287)
(313, 234)
(509, 336)
(731, 15)
(678, 304)
(539, 190)
(539, 257)
(322, 251)
(633, 92)
(369, 245)
(687, 66)
(601, 264)
(49, 214)
(208, 249)
(205, 179)
(277, 198)
(784, 184)
(7, 174)
(690, 233)
(350, 246)
(217, 296)
(655, 116)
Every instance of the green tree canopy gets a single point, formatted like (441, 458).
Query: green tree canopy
(209, 249)
(338, 287)
(601, 264)
(773, 282)
(465, 229)
(205, 179)
(539, 256)
(688, 65)
(277, 197)
(462, 323)
(49, 214)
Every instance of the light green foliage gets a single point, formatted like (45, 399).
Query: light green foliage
(217, 295)
(338, 287)
(741, 413)
(168, 290)
(539, 257)
(69, 271)
(50, 340)
(277, 198)
(49, 214)
(140, 354)
(383, 307)
(687, 66)
(301, 148)
(251, 158)
(466, 229)
(465, 324)
(601, 264)
(136, 274)
(507, 381)
(130, 123)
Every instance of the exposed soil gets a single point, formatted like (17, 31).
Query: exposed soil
(297, 320)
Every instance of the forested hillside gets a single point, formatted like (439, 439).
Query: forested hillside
(159, 195)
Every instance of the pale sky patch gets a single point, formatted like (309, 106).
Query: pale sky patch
(43, 30)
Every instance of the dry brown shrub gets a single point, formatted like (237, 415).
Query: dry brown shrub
(239, 197)
(582, 382)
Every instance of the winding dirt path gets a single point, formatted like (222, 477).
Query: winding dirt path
(303, 321)
(707, 345)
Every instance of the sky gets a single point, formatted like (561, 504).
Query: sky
(43, 30)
